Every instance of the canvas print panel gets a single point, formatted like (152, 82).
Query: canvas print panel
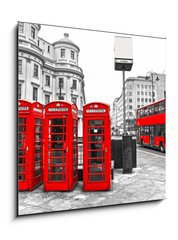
(91, 118)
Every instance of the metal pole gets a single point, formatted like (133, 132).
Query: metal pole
(60, 91)
(124, 126)
(152, 85)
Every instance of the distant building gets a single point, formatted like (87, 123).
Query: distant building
(49, 71)
(138, 93)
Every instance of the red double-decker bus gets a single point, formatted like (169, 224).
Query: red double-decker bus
(151, 125)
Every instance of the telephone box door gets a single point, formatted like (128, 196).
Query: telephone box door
(97, 149)
(23, 168)
(57, 150)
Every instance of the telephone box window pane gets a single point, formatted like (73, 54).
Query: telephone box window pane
(95, 154)
(21, 160)
(98, 130)
(22, 120)
(21, 177)
(98, 177)
(96, 122)
(56, 177)
(96, 138)
(96, 169)
(95, 146)
(58, 161)
(22, 128)
(20, 144)
(58, 121)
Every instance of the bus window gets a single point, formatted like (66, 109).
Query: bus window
(147, 130)
(151, 110)
(160, 130)
(161, 107)
(146, 111)
(142, 130)
(156, 108)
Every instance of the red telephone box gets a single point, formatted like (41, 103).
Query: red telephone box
(30, 144)
(96, 147)
(61, 146)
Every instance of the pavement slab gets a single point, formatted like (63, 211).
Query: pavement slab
(145, 183)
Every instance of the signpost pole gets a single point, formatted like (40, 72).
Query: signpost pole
(124, 123)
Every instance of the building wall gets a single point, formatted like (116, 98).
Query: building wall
(138, 93)
(35, 52)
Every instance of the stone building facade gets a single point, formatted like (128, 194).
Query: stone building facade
(49, 71)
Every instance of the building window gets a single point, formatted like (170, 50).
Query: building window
(35, 94)
(145, 86)
(74, 84)
(138, 106)
(47, 99)
(153, 86)
(142, 86)
(48, 49)
(130, 106)
(47, 82)
(21, 27)
(72, 54)
(149, 86)
(35, 73)
(146, 100)
(149, 99)
(129, 86)
(149, 93)
(138, 93)
(19, 91)
(61, 83)
(142, 93)
(74, 100)
(81, 102)
(33, 32)
(138, 86)
(153, 94)
(142, 100)
(62, 53)
(130, 100)
(129, 93)
(138, 99)
(20, 66)
(146, 93)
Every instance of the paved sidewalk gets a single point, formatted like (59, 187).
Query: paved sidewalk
(146, 183)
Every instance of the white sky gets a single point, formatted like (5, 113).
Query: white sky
(96, 58)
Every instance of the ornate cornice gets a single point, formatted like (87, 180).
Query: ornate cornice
(32, 52)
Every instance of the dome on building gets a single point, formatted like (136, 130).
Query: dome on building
(67, 41)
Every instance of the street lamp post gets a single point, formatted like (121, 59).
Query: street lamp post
(71, 93)
(152, 79)
(60, 87)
